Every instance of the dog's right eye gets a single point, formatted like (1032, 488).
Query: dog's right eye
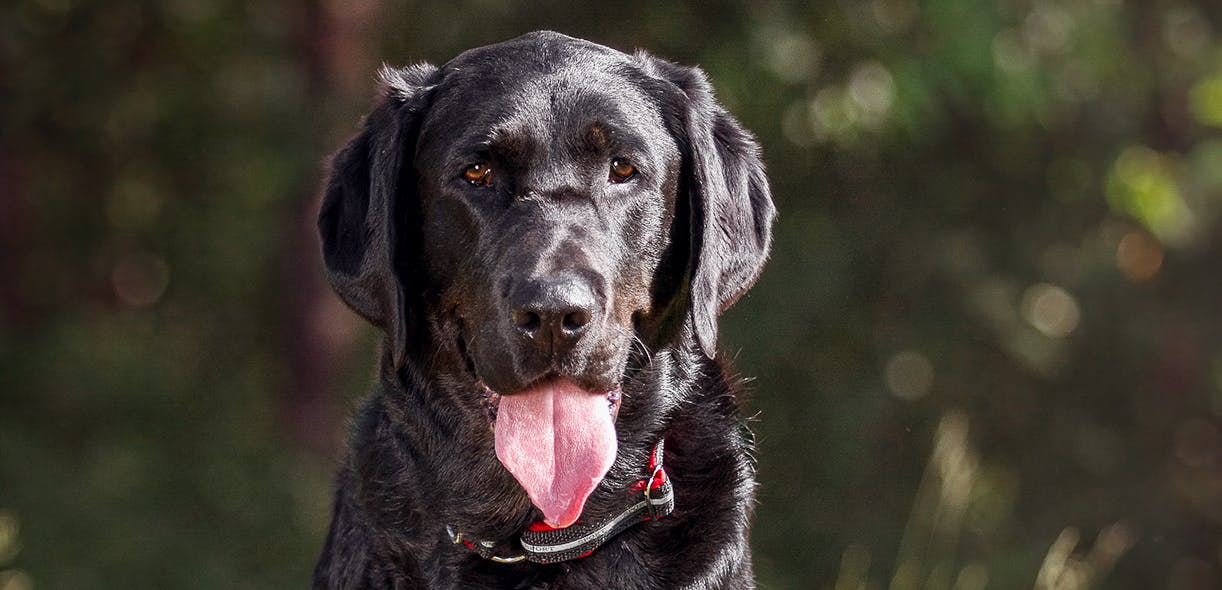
(478, 174)
(621, 170)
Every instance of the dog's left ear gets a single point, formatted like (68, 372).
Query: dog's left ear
(728, 195)
(370, 194)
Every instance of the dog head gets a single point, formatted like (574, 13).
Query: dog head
(535, 211)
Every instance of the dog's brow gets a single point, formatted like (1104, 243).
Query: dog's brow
(510, 143)
(598, 136)
(607, 137)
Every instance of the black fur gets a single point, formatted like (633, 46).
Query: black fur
(432, 259)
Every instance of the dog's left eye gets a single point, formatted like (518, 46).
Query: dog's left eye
(478, 174)
(621, 170)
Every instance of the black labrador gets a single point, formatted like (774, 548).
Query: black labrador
(546, 229)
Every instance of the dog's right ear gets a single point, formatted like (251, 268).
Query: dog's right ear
(731, 209)
(370, 184)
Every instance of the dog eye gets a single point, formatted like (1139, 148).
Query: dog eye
(478, 174)
(621, 170)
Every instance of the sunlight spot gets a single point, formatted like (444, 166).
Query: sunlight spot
(795, 124)
(957, 464)
(1205, 101)
(792, 57)
(873, 89)
(1139, 256)
(15, 580)
(909, 375)
(1063, 569)
(140, 279)
(1009, 53)
(1048, 28)
(1059, 565)
(831, 115)
(1051, 309)
(1111, 544)
(993, 498)
(854, 568)
(10, 546)
(1185, 32)
(1142, 184)
(973, 576)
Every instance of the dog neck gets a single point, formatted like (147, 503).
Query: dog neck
(422, 459)
(646, 500)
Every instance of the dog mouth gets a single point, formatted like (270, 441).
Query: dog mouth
(555, 435)
(491, 402)
(557, 440)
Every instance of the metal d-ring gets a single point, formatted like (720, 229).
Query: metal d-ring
(513, 559)
(488, 545)
(456, 538)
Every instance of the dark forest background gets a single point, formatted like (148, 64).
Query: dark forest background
(987, 350)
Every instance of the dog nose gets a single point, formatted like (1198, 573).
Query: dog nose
(553, 313)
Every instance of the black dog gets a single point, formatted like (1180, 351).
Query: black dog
(546, 230)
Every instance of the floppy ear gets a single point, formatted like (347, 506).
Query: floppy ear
(728, 195)
(370, 185)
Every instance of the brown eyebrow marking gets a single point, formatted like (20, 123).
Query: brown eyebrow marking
(598, 136)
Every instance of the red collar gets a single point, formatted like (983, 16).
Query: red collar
(648, 499)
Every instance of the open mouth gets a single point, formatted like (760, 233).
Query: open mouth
(557, 440)
(492, 401)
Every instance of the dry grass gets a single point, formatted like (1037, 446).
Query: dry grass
(928, 556)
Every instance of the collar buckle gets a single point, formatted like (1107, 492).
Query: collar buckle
(483, 548)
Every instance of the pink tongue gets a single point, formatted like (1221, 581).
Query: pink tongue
(558, 440)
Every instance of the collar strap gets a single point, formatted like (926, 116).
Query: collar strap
(652, 498)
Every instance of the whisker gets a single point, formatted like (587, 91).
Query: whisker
(637, 342)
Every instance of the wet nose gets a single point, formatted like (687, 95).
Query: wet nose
(553, 313)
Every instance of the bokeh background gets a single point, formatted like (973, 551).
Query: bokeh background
(987, 350)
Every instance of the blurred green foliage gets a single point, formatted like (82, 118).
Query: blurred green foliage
(998, 217)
